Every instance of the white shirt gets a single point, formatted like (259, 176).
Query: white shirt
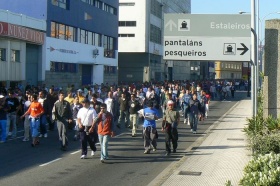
(109, 103)
(87, 116)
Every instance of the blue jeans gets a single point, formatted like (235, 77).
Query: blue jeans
(193, 121)
(103, 140)
(43, 124)
(12, 117)
(3, 125)
(34, 126)
(186, 112)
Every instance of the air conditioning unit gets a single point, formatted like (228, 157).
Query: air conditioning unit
(95, 53)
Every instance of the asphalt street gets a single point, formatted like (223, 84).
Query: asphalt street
(127, 165)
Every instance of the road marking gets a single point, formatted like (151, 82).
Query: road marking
(50, 162)
(75, 152)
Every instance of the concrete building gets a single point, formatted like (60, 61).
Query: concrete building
(141, 41)
(21, 42)
(81, 43)
(228, 70)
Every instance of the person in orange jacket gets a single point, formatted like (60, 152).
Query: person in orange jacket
(105, 130)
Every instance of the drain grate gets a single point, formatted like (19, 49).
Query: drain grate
(189, 173)
(236, 139)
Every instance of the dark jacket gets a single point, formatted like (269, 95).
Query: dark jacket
(195, 106)
(62, 110)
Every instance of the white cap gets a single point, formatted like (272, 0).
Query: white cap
(170, 102)
(1, 96)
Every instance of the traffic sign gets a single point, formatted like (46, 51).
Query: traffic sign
(207, 37)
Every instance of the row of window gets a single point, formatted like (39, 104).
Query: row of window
(73, 68)
(66, 32)
(127, 23)
(63, 67)
(126, 35)
(61, 3)
(126, 4)
(156, 8)
(155, 34)
(96, 3)
(232, 66)
(15, 55)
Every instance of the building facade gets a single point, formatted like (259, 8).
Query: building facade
(81, 43)
(21, 42)
(228, 70)
(141, 41)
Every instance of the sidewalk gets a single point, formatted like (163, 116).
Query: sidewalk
(220, 156)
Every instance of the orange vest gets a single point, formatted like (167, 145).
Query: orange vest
(107, 128)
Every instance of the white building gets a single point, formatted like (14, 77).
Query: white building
(140, 46)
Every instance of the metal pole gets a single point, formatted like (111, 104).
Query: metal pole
(254, 58)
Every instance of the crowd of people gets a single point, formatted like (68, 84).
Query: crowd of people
(96, 111)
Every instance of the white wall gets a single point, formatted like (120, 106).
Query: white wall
(80, 54)
(133, 13)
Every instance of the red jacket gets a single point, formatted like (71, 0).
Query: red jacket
(107, 128)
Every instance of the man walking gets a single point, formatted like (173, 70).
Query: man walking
(85, 119)
(134, 107)
(170, 122)
(149, 128)
(105, 130)
(62, 114)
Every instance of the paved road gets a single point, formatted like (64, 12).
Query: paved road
(23, 165)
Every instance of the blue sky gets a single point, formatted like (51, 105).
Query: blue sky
(267, 8)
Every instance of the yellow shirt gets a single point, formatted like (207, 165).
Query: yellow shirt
(69, 99)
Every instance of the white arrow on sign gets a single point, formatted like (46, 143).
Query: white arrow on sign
(171, 24)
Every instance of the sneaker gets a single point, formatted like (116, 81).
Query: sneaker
(102, 161)
(83, 156)
(133, 135)
(41, 135)
(92, 153)
(194, 132)
(185, 120)
(45, 135)
(154, 149)
(25, 139)
(10, 134)
(191, 130)
(147, 152)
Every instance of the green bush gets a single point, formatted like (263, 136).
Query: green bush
(263, 170)
(265, 143)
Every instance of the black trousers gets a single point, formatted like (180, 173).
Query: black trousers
(87, 139)
(171, 134)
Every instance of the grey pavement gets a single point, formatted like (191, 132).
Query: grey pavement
(220, 154)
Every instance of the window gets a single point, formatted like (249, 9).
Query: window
(110, 69)
(15, 55)
(83, 37)
(110, 9)
(109, 47)
(91, 38)
(127, 23)
(97, 39)
(61, 3)
(2, 54)
(98, 4)
(126, 35)
(156, 8)
(63, 32)
(126, 4)
(155, 34)
(63, 67)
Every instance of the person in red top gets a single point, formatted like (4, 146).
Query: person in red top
(208, 97)
(35, 110)
(105, 130)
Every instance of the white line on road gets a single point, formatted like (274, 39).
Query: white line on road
(50, 162)
(75, 152)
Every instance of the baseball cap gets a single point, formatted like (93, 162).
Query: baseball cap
(170, 102)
